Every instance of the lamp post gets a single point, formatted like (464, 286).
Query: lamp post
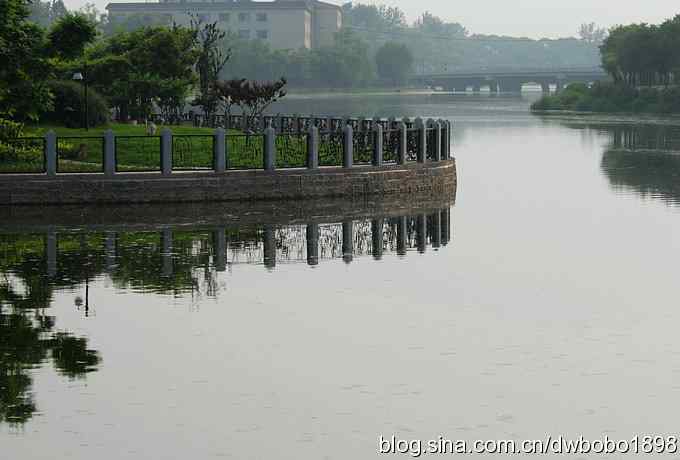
(78, 76)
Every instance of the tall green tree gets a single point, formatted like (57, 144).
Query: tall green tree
(25, 68)
(394, 62)
(69, 35)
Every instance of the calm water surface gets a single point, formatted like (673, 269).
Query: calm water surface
(542, 302)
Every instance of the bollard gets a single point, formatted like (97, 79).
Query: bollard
(437, 142)
(109, 153)
(166, 152)
(269, 242)
(348, 241)
(219, 151)
(313, 148)
(401, 235)
(269, 149)
(403, 143)
(313, 244)
(51, 153)
(347, 146)
(422, 140)
(377, 145)
(220, 249)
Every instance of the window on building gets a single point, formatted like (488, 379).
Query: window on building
(263, 34)
(224, 17)
(244, 34)
(261, 17)
(244, 17)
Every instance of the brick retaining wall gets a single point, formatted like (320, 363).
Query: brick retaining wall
(412, 179)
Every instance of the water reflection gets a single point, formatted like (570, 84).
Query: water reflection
(643, 159)
(177, 260)
(28, 338)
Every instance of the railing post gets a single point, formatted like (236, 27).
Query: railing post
(313, 148)
(269, 149)
(437, 142)
(166, 152)
(347, 146)
(422, 140)
(403, 143)
(109, 153)
(377, 145)
(219, 151)
(51, 153)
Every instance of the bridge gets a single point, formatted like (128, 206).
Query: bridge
(510, 80)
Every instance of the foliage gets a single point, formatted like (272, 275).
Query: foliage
(45, 13)
(69, 35)
(211, 60)
(344, 64)
(590, 33)
(253, 97)
(394, 62)
(612, 97)
(134, 70)
(25, 67)
(69, 105)
(441, 46)
(642, 54)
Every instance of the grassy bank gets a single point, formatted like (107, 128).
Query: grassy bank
(192, 148)
(612, 98)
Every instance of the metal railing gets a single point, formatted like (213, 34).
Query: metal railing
(80, 154)
(308, 143)
(24, 155)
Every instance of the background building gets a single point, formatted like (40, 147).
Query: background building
(284, 24)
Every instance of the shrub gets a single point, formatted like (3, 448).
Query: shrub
(69, 105)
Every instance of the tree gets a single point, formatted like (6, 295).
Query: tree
(211, 60)
(253, 97)
(394, 62)
(70, 34)
(590, 33)
(25, 69)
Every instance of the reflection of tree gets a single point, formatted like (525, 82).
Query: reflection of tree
(654, 174)
(27, 336)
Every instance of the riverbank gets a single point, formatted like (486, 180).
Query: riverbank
(611, 98)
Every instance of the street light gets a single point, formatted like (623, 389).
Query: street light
(78, 76)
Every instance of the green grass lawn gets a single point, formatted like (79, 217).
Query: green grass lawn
(192, 149)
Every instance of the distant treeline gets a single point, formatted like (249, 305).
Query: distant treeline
(643, 54)
(372, 32)
(644, 63)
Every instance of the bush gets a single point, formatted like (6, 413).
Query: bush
(69, 105)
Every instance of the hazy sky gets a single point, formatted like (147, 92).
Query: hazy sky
(532, 18)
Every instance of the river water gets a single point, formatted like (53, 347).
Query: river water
(541, 303)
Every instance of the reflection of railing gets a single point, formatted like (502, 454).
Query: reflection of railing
(305, 142)
(166, 261)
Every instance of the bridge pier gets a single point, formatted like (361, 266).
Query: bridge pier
(545, 87)
(512, 86)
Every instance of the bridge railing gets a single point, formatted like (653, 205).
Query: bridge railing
(305, 143)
